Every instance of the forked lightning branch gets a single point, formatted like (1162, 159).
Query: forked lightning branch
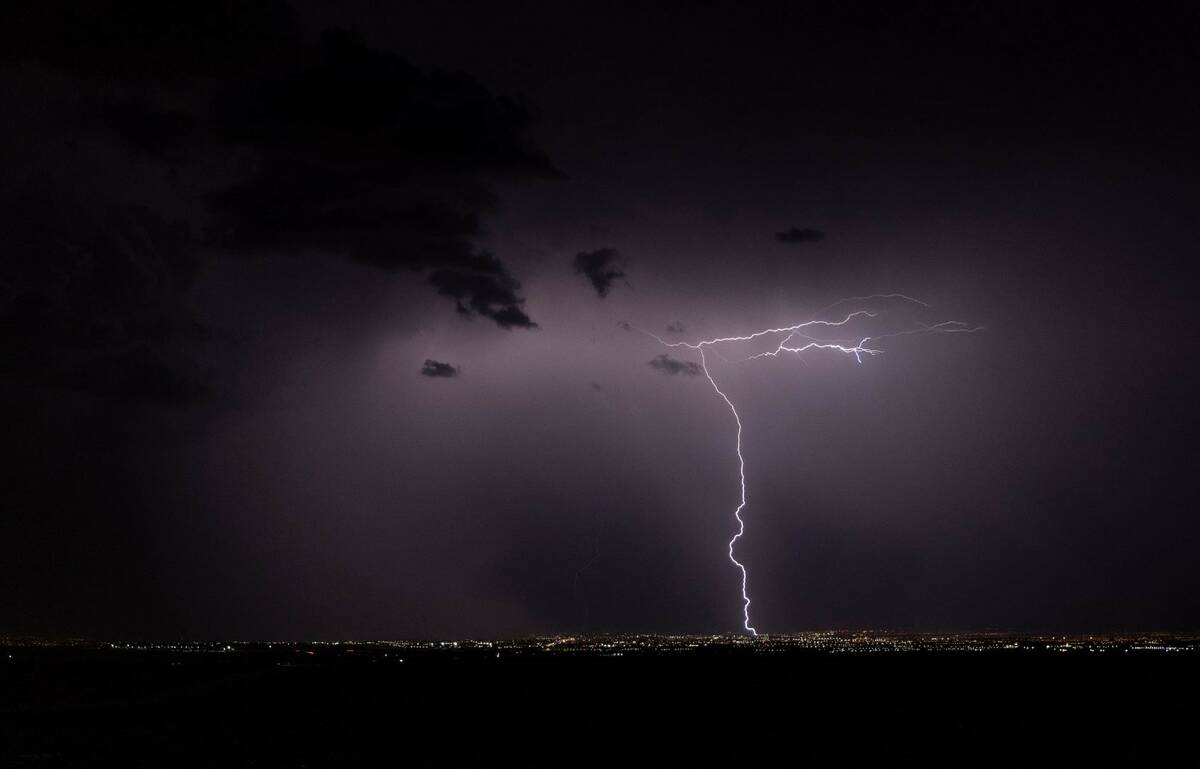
(809, 336)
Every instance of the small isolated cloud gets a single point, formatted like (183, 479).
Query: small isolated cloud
(668, 365)
(799, 235)
(676, 327)
(601, 267)
(437, 369)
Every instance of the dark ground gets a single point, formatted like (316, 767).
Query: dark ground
(367, 704)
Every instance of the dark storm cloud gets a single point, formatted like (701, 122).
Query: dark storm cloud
(488, 292)
(601, 267)
(362, 154)
(676, 328)
(438, 369)
(668, 365)
(331, 147)
(795, 235)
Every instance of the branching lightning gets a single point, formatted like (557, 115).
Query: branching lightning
(797, 340)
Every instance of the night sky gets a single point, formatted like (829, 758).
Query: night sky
(322, 320)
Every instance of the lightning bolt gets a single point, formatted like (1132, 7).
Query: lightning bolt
(741, 503)
(804, 333)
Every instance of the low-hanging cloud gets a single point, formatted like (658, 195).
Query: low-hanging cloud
(438, 370)
(491, 293)
(601, 267)
(794, 235)
(673, 366)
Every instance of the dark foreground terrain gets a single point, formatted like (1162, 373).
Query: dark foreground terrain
(966, 699)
